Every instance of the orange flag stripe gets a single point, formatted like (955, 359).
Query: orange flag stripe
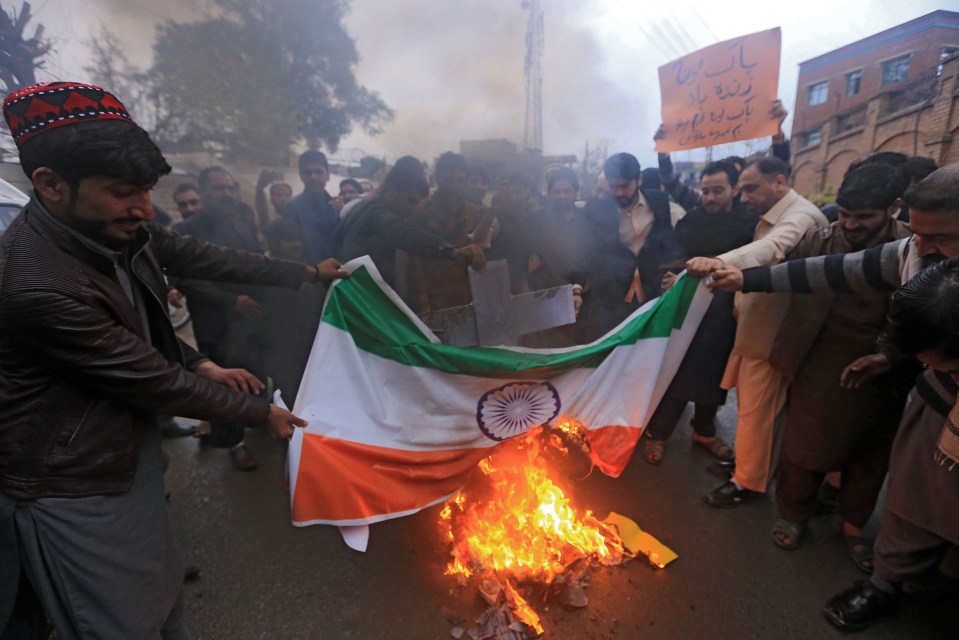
(342, 481)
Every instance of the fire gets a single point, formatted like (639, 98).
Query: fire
(524, 528)
(512, 528)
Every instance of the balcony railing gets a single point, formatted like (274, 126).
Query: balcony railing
(918, 91)
(850, 120)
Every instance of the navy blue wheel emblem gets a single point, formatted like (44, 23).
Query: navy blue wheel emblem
(515, 408)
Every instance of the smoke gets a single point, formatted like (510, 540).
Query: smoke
(451, 70)
(455, 71)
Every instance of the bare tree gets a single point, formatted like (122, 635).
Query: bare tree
(110, 68)
(20, 56)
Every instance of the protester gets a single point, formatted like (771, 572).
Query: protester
(688, 197)
(88, 358)
(720, 223)
(477, 185)
(921, 521)
(290, 317)
(227, 318)
(270, 185)
(836, 421)
(311, 209)
(560, 245)
(784, 216)
(350, 190)
(380, 226)
(186, 196)
(632, 247)
(447, 214)
(512, 237)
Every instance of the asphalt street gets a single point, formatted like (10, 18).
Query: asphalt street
(263, 578)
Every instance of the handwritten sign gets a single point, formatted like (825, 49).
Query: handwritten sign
(722, 93)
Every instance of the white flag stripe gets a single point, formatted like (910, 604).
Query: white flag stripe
(380, 402)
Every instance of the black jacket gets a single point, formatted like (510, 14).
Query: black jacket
(212, 304)
(611, 265)
(373, 229)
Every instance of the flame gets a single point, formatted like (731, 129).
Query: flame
(525, 527)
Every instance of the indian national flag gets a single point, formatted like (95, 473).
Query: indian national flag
(398, 420)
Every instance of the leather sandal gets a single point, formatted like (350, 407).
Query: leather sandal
(715, 446)
(861, 551)
(653, 451)
(787, 535)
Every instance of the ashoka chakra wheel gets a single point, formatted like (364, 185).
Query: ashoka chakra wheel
(516, 407)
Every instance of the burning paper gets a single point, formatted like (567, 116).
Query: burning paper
(514, 527)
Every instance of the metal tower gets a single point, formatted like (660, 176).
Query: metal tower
(533, 131)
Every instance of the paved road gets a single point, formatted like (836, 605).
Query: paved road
(263, 578)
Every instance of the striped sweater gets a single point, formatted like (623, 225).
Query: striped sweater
(884, 268)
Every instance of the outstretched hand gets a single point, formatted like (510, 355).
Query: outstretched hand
(328, 270)
(281, 423)
(238, 379)
(703, 266)
(864, 369)
(248, 307)
(669, 279)
(729, 279)
(471, 254)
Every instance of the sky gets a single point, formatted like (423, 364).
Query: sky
(453, 69)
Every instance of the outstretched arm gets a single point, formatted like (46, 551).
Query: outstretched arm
(875, 269)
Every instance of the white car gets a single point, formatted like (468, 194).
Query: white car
(11, 201)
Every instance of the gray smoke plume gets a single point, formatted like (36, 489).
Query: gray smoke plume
(451, 70)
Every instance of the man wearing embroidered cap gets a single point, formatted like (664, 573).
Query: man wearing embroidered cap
(87, 358)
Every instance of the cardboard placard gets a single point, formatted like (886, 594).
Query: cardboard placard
(722, 93)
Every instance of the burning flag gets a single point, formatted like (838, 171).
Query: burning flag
(398, 420)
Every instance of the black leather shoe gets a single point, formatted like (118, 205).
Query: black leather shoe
(726, 496)
(859, 606)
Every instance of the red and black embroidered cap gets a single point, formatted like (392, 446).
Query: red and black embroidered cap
(47, 105)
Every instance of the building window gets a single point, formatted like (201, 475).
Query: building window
(944, 54)
(818, 93)
(813, 138)
(853, 82)
(895, 70)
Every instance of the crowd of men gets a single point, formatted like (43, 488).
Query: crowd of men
(88, 356)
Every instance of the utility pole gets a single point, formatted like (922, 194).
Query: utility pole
(533, 131)
(583, 182)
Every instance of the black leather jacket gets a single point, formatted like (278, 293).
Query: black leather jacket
(80, 378)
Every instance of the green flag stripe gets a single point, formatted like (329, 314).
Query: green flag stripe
(359, 307)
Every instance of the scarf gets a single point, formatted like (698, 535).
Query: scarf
(939, 391)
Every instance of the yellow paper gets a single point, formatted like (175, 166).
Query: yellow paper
(638, 541)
